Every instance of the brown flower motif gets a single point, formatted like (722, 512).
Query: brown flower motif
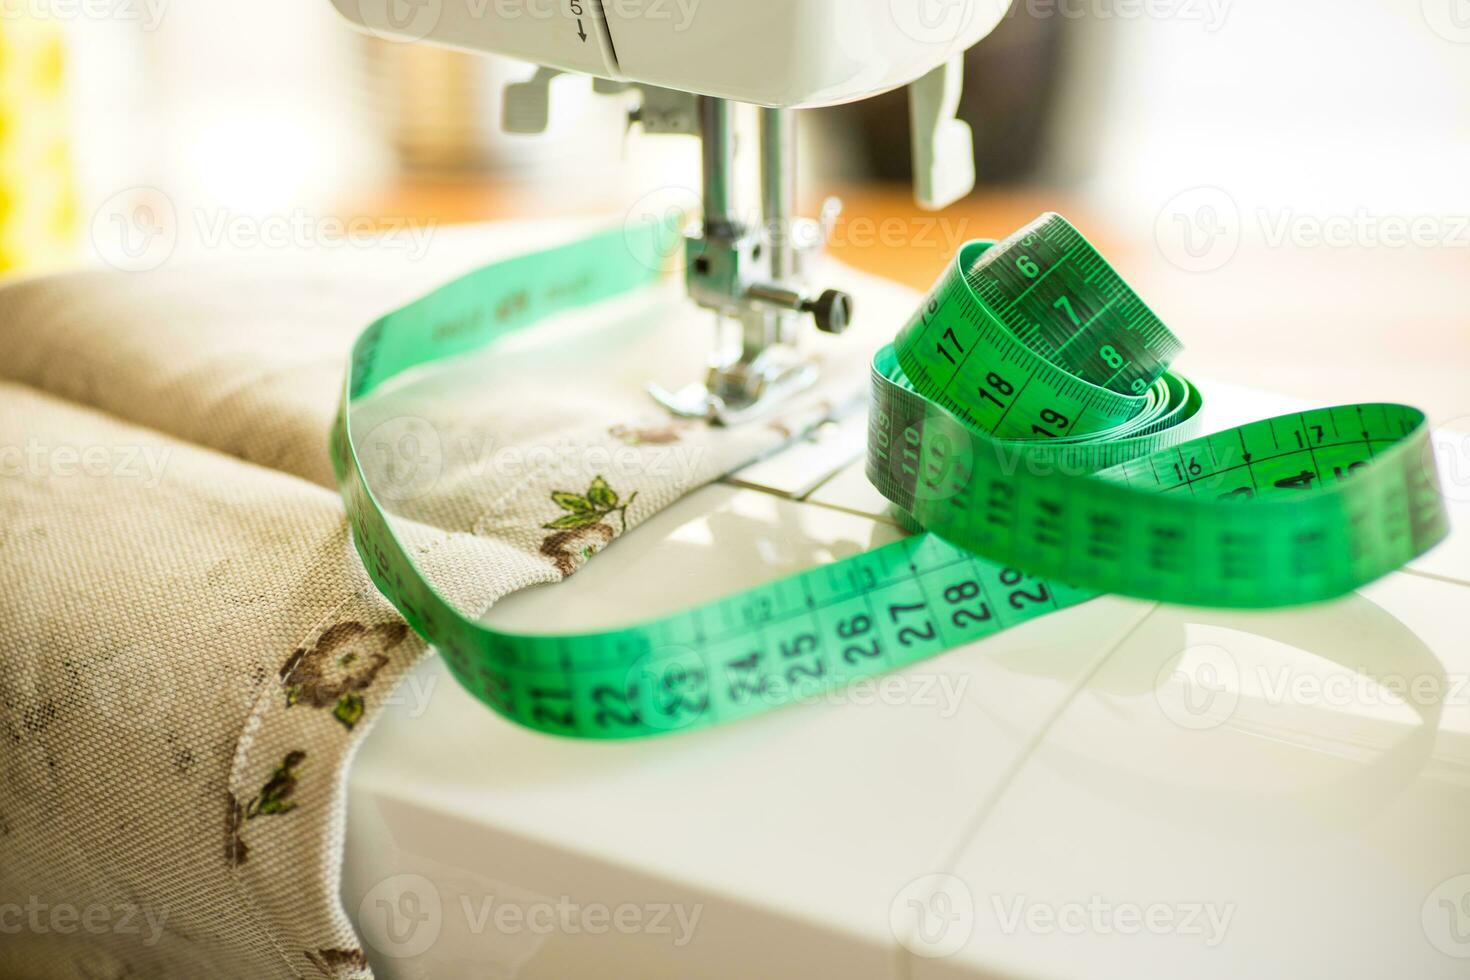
(582, 531)
(629, 436)
(338, 963)
(570, 550)
(344, 661)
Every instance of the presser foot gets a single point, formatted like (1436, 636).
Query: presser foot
(741, 393)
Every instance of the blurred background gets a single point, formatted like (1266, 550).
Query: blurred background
(1285, 183)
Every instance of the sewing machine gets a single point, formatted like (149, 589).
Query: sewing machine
(1120, 789)
(690, 63)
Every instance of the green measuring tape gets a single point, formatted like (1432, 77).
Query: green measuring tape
(1025, 420)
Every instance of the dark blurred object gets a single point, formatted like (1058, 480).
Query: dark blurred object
(1011, 83)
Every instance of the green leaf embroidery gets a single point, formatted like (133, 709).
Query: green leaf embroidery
(575, 503)
(573, 521)
(348, 710)
(600, 501)
(275, 795)
(602, 495)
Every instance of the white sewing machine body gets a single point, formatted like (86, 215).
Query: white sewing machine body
(1118, 790)
(779, 53)
(1121, 789)
(690, 62)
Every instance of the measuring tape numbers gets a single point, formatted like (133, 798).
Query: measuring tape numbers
(1025, 423)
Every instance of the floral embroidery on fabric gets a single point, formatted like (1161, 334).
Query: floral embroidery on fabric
(273, 800)
(583, 530)
(344, 661)
(339, 962)
(275, 795)
(630, 436)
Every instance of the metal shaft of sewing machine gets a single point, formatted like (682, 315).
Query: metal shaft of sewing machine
(751, 276)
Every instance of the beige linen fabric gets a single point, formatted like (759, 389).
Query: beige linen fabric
(189, 647)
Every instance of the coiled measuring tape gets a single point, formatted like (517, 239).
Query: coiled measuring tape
(1024, 423)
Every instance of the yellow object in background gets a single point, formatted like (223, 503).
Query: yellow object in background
(38, 206)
